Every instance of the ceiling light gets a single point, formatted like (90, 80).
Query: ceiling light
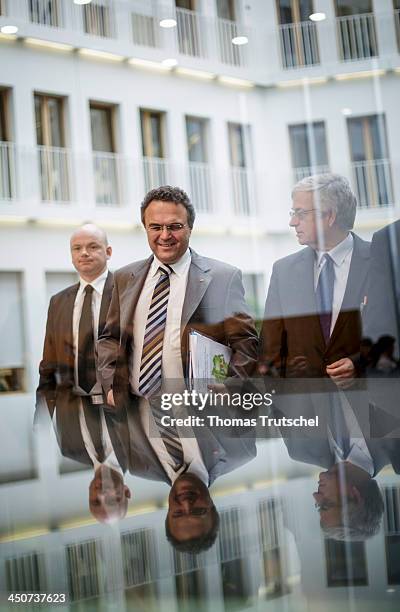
(82, 1)
(317, 17)
(196, 74)
(240, 40)
(9, 29)
(170, 62)
(168, 23)
(38, 42)
(347, 112)
(236, 82)
(141, 63)
(112, 57)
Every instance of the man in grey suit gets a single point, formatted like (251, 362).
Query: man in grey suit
(301, 335)
(144, 345)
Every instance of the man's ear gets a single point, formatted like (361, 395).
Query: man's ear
(355, 494)
(127, 492)
(332, 217)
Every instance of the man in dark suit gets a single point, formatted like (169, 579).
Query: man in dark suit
(143, 348)
(382, 314)
(68, 384)
(312, 323)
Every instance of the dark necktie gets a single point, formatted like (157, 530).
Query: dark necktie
(86, 360)
(93, 422)
(150, 365)
(324, 295)
(338, 425)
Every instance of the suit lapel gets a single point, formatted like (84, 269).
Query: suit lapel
(65, 323)
(105, 302)
(356, 280)
(198, 280)
(303, 281)
(130, 295)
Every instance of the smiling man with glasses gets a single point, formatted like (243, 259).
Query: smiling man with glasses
(143, 352)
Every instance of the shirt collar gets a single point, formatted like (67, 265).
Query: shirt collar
(339, 252)
(180, 267)
(97, 284)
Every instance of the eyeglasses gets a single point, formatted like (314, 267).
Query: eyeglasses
(301, 214)
(172, 228)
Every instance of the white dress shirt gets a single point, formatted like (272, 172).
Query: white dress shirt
(341, 255)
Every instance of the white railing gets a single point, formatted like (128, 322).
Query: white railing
(304, 171)
(373, 182)
(46, 12)
(228, 52)
(200, 187)
(299, 44)
(107, 178)
(155, 172)
(7, 171)
(145, 30)
(242, 189)
(55, 173)
(191, 30)
(357, 36)
(98, 19)
(392, 510)
(396, 16)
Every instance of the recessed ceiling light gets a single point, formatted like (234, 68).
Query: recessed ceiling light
(317, 17)
(170, 62)
(240, 40)
(82, 1)
(168, 23)
(346, 112)
(9, 29)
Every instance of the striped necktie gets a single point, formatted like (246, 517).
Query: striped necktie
(170, 437)
(150, 365)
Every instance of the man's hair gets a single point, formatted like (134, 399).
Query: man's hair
(196, 545)
(88, 226)
(361, 520)
(166, 193)
(333, 192)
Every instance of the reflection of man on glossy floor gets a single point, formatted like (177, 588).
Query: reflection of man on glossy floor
(68, 385)
(154, 305)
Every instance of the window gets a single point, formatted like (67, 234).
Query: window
(356, 29)
(46, 12)
(105, 163)
(346, 563)
(396, 8)
(239, 137)
(270, 518)
(392, 533)
(227, 30)
(12, 348)
(226, 9)
(53, 157)
(370, 160)
(97, 19)
(145, 27)
(154, 166)
(26, 573)
(7, 151)
(308, 149)
(298, 35)
(199, 171)
(84, 561)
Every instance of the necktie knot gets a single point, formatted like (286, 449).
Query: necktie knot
(88, 290)
(165, 270)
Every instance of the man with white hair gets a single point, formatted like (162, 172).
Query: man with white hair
(312, 323)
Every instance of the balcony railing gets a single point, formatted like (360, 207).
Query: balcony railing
(46, 12)
(155, 172)
(373, 182)
(191, 30)
(299, 44)
(200, 187)
(55, 173)
(396, 16)
(107, 178)
(145, 30)
(228, 52)
(304, 171)
(243, 201)
(7, 171)
(357, 37)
